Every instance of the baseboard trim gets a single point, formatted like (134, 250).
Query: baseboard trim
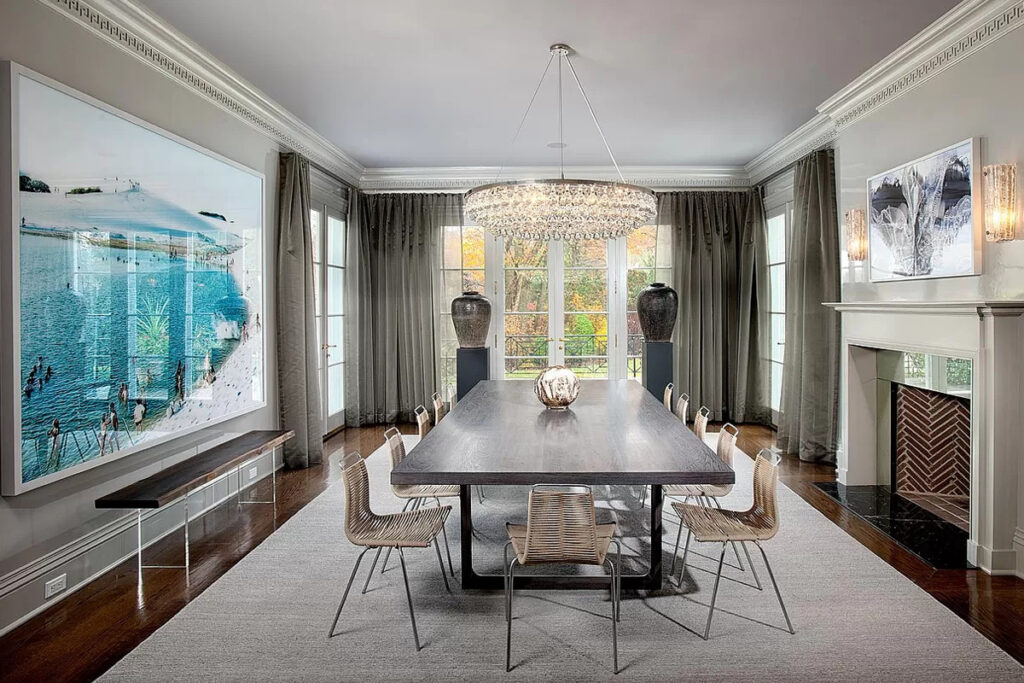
(998, 562)
(78, 553)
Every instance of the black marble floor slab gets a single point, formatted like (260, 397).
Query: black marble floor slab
(939, 543)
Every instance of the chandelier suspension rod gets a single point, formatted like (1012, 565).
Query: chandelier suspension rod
(594, 117)
(561, 143)
(525, 114)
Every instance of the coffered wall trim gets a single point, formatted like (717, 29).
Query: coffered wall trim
(139, 32)
(459, 179)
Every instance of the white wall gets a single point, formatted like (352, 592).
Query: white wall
(41, 521)
(982, 96)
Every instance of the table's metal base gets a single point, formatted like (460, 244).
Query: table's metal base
(471, 579)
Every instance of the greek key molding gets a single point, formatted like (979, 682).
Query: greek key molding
(143, 35)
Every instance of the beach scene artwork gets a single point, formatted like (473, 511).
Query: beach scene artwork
(141, 285)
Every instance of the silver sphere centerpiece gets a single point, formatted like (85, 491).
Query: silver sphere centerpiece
(557, 387)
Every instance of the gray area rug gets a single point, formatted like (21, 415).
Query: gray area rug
(856, 618)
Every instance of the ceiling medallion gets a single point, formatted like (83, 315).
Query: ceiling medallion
(561, 208)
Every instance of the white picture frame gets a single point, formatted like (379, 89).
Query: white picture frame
(253, 281)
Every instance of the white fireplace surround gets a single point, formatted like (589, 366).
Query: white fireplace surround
(991, 335)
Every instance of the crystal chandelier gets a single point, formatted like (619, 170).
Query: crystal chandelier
(561, 208)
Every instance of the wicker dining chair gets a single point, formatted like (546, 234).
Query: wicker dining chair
(759, 523)
(453, 397)
(667, 396)
(700, 422)
(422, 420)
(683, 407)
(710, 493)
(363, 527)
(439, 408)
(415, 495)
(561, 529)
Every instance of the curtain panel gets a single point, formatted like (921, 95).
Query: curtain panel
(808, 419)
(297, 354)
(720, 270)
(392, 289)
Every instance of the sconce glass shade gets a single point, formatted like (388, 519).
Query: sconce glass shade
(856, 235)
(1000, 192)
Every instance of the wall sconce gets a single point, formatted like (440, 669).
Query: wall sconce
(1000, 193)
(856, 235)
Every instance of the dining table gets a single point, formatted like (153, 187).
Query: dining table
(614, 433)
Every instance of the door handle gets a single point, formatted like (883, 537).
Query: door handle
(324, 347)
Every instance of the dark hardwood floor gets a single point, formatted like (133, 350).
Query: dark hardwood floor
(85, 634)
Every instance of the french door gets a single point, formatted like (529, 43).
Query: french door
(328, 227)
(560, 307)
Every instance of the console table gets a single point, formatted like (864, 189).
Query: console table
(182, 479)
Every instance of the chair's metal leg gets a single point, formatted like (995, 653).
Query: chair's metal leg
(612, 583)
(686, 550)
(679, 534)
(344, 597)
(186, 542)
(618, 581)
(447, 549)
(643, 496)
(372, 567)
(775, 583)
(510, 591)
(736, 550)
(480, 493)
(437, 547)
(714, 593)
(750, 562)
(408, 594)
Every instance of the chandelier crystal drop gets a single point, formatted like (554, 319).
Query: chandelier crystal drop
(561, 208)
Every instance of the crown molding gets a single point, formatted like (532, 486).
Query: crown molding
(816, 133)
(144, 35)
(462, 178)
(965, 29)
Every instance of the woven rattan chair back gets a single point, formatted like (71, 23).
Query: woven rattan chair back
(396, 446)
(453, 397)
(422, 420)
(359, 519)
(764, 514)
(667, 396)
(700, 422)
(439, 409)
(560, 526)
(727, 442)
(683, 407)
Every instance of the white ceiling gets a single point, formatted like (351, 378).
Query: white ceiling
(405, 83)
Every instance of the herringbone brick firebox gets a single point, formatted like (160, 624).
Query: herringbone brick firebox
(932, 445)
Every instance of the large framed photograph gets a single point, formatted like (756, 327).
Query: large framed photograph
(132, 284)
(925, 217)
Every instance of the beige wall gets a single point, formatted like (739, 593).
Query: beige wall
(982, 96)
(35, 36)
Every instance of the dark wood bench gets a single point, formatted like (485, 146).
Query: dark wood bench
(180, 480)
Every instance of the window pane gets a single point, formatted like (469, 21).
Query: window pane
(451, 282)
(641, 246)
(778, 336)
(586, 290)
(525, 253)
(586, 335)
(473, 280)
(472, 247)
(588, 367)
(335, 241)
(664, 256)
(335, 388)
(452, 255)
(776, 370)
(317, 294)
(777, 277)
(524, 368)
(335, 290)
(663, 275)
(777, 239)
(336, 338)
(533, 324)
(592, 253)
(319, 341)
(447, 327)
(526, 290)
(314, 226)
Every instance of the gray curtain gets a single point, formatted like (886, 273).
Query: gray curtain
(298, 380)
(808, 417)
(393, 285)
(720, 272)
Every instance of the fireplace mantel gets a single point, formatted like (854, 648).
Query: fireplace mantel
(991, 334)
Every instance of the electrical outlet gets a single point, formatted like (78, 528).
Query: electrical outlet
(54, 586)
(253, 472)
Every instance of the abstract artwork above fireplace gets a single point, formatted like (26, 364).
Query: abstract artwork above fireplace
(924, 217)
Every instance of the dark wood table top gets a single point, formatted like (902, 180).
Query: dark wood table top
(175, 481)
(616, 432)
